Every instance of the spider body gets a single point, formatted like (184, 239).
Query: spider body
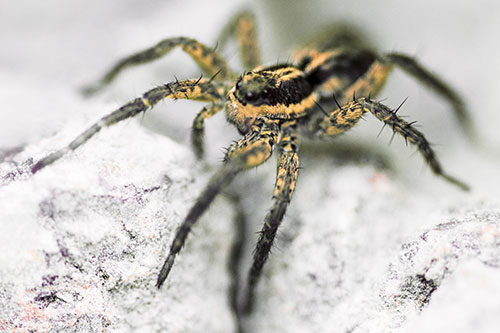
(280, 92)
(269, 105)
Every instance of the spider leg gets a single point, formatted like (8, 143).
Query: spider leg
(243, 27)
(409, 133)
(236, 253)
(254, 149)
(200, 90)
(415, 69)
(198, 130)
(286, 177)
(206, 58)
(370, 83)
(336, 122)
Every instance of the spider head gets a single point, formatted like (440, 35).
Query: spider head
(255, 88)
(266, 93)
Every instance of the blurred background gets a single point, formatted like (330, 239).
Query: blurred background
(51, 49)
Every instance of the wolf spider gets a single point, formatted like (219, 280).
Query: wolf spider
(269, 105)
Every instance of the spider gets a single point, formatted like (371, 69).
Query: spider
(322, 93)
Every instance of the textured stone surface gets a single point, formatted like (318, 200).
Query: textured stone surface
(359, 252)
(82, 241)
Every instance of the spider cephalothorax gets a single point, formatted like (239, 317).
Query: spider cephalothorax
(323, 92)
(278, 92)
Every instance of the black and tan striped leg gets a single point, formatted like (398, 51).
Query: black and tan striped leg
(408, 132)
(198, 130)
(286, 177)
(326, 125)
(243, 27)
(236, 254)
(207, 58)
(414, 68)
(370, 83)
(338, 121)
(335, 123)
(200, 90)
(253, 150)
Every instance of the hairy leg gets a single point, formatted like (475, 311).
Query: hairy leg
(198, 130)
(254, 149)
(411, 135)
(345, 117)
(236, 253)
(408, 132)
(370, 83)
(287, 171)
(415, 69)
(325, 125)
(200, 90)
(243, 27)
(207, 58)
(339, 120)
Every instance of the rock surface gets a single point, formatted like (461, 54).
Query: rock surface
(83, 240)
(359, 252)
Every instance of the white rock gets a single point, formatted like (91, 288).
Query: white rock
(84, 238)
(359, 252)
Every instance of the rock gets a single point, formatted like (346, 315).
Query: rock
(360, 249)
(84, 238)
(360, 252)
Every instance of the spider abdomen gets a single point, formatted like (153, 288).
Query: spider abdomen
(335, 70)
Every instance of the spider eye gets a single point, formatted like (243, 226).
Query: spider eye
(250, 96)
